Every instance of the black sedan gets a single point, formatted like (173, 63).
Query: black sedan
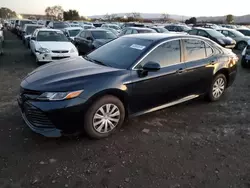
(214, 35)
(90, 39)
(130, 76)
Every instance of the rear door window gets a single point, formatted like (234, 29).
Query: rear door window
(195, 49)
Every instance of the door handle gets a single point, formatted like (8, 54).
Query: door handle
(180, 71)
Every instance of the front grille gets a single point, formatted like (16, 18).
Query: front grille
(36, 117)
(60, 51)
(57, 58)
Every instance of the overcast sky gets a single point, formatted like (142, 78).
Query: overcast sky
(94, 7)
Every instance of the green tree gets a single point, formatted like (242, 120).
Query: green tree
(54, 12)
(71, 15)
(230, 18)
(192, 20)
(7, 13)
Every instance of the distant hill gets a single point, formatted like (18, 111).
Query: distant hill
(237, 19)
(147, 16)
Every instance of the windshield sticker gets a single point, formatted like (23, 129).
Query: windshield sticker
(138, 47)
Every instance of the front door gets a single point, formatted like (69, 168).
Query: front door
(153, 89)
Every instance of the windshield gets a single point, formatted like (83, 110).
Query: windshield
(51, 36)
(103, 35)
(73, 33)
(214, 33)
(60, 25)
(122, 52)
(237, 33)
(31, 29)
(22, 23)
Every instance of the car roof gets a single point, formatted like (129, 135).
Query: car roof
(243, 29)
(95, 29)
(33, 25)
(140, 28)
(47, 29)
(162, 36)
(203, 28)
(228, 29)
(73, 28)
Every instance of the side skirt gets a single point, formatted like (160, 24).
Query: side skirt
(190, 97)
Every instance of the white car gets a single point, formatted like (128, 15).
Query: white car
(51, 44)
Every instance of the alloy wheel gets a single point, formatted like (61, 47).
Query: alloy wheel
(106, 118)
(218, 87)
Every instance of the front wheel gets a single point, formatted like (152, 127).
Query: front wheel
(104, 117)
(217, 88)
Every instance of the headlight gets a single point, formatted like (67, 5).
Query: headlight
(57, 96)
(43, 50)
(72, 50)
(221, 41)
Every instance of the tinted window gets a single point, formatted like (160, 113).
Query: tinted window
(82, 34)
(103, 35)
(202, 33)
(193, 32)
(88, 35)
(122, 52)
(209, 50)
(166, 54)
(146, 31)
(60, 25)
(73, 33)
(129, 31)
(195, 49)
(134, 31)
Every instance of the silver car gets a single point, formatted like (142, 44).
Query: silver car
(241, 40)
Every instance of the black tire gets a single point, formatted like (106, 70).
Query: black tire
(242, 43)
(210, 96)
(88, 119)
(243, 62)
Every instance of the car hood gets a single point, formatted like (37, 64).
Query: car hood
(56, 45)
(65, 75)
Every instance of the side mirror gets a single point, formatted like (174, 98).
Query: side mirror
(33, 38)
(151, 66)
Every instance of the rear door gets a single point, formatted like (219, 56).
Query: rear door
(200, 62)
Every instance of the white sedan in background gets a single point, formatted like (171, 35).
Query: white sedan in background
(50, 45)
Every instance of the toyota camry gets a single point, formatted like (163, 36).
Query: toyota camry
(129, 76)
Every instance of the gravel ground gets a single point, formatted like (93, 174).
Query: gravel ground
(195, 144)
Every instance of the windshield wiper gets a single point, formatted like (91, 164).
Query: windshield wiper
(94, 61)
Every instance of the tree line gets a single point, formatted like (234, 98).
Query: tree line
(57, 13)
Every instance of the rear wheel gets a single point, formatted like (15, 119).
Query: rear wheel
(104, 117)
(217, 88)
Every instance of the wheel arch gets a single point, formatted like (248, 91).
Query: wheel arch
(120, 94)
(225, 72)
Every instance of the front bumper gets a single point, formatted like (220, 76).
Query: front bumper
(49, 57)
(53, 118)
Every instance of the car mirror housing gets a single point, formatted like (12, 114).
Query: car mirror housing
(151, 66)
(33, 38)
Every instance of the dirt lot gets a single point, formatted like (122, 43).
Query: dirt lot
(196, 144)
